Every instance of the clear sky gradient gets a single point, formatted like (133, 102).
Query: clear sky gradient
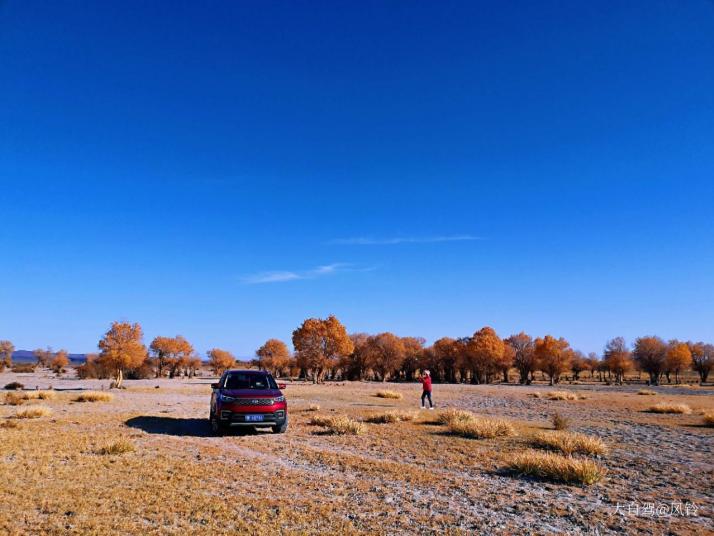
(224, 170)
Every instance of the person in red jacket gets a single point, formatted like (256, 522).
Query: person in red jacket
(425, 380)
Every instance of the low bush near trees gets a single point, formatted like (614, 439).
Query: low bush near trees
(14, 386)
(646, 392)
(709, 418)
(389, 394)
(24, 368)
(94, 396)
(561, 395)
(570, 443)
(119, 447)
(670, 407)
(450, 415)
(14, 399)
(33, 412)
(556, 467)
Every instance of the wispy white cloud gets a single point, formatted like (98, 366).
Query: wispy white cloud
(319, 271)
(368, 241)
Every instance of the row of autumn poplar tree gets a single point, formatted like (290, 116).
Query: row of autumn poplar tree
(325, 350)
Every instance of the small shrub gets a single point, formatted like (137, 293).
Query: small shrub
(389, 417)
(556, 467)
(561, 395)
(40, 395)
(33, 412)
(647, 392)
(450, 415)
(481, 428)
(389, 394)
(669, 407)
(14, 386)
(313, 407)
(119, 447)
(560, 422)
(339, 425)
(24, 368)
(14, 399)
(570, 443)
(709, 418)
(537, 394)
(94, 396)
(9, 424)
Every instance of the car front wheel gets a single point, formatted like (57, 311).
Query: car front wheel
(216, 426)
(282, 428)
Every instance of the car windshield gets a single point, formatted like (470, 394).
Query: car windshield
(237, 380)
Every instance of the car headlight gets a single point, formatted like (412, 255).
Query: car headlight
(226, 398)
(278, 399)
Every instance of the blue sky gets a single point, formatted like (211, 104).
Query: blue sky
(223, 170)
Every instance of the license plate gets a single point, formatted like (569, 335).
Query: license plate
(253, 418)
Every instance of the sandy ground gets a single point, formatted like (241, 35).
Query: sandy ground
(403, 478)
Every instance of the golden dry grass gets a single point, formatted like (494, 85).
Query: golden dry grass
(450, 415)
(570, 443)
(708, 418)
(556, 467)
(313, 407)
(561, 395)
(33, 412)
(118, 447)
(670, 407)
(14, 399)
(9, 424)
(39, 395)
(560, 422)
(389, 394)
(94, 396)
(389, 417)
(481, 428)
(339, 425)
(646, 392)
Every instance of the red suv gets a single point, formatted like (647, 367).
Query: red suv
(248, 398)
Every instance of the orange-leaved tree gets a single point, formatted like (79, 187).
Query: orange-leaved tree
(484, 352)
(446, 353)
(617, 358)
(122, 349)
(220, 360)
(524, 357)
(385, 354)
(273, 356)
(6, 350)
(702, 359)
(553, 355)
(677, 359)
(319, 345)
(60, 361)
(650, 354)
(172, 354)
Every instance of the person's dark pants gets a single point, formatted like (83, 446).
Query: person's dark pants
(426, 394)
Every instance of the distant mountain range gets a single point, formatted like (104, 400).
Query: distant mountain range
(26, 356)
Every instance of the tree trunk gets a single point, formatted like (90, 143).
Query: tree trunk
(120, 379)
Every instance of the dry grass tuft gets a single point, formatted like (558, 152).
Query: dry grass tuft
(39, 395)
(94, 396)
(537, 394)
(450, 415)
(119, 447)
(14, 399)
(561, 395)
(9, 424)
(389, 394)
(560, 422)
(670, 407)
(389, 417)
(481, 428)
(647, 392)
(570, 443)
(708, 418)
(339, 425)
(556, 467)
(33, 412)
(313, 407)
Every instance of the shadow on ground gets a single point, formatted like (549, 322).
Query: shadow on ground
(171, 426)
